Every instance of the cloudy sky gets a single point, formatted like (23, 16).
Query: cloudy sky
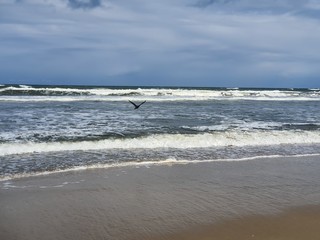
(232, 43)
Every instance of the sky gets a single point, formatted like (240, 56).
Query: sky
(213, 43)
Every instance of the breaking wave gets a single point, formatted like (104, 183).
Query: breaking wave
(17, 93)
(178, 141)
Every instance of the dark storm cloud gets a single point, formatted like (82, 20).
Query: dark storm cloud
(86, 4)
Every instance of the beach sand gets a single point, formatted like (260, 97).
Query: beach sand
(270, 198)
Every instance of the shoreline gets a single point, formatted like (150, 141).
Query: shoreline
(164, 201)
(166, 162)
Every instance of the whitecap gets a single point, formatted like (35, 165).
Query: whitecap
(179, 141)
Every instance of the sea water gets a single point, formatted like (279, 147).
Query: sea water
(45, 129)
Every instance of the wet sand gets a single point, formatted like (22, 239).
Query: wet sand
(292, 224)
(272, 198)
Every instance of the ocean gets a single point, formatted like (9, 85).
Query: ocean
(47, 129)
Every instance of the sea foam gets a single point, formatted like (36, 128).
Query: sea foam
(179, 141)
(150, 94)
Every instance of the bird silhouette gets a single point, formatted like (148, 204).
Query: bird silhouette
(136, 106)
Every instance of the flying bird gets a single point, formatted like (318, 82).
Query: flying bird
(136, 106)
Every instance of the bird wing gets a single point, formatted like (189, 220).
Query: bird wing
(142, 103)
(133, 103)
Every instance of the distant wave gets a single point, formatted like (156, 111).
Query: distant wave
(179, 141)
(25, 86)
(29, 93)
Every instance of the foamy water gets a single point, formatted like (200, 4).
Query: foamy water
(179, 141)
(19, 93)
(50, 128)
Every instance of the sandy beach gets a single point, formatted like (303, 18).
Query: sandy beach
(268, 198)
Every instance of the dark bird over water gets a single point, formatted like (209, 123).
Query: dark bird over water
(136, 106)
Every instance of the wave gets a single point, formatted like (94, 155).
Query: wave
(17, 93)
(25, 86)
(256, 125)
(178, 141)
(30, 91)
(142, 98)
(165, 162)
